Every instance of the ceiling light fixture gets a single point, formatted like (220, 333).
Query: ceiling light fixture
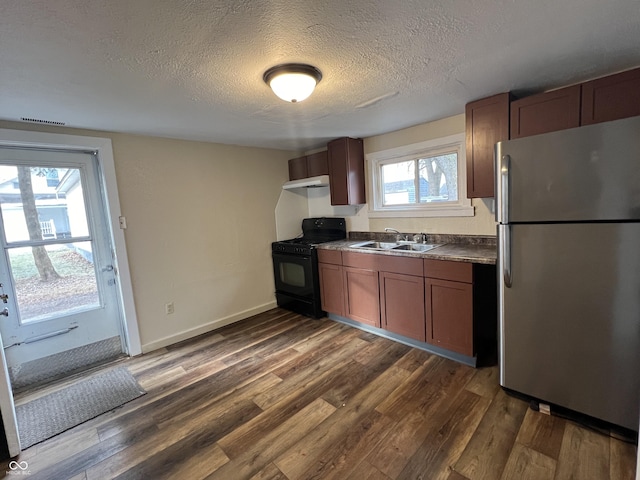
(292, 82)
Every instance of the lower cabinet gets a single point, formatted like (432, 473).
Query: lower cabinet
(449, 304)
(331, 288)
(362, 295)
(448, 294)
(449, 309)
(402, 304)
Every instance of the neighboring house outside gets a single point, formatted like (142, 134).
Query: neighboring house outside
(71, 186)
(404, 191)
(50, 203)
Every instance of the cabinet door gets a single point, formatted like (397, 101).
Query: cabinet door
(298, 168)
(331, 289)
(318, 164)
(487, 122)
(611, 98)
(449, 309)
(546, 112)
(346, 171)
(362, 299)
(402, 304)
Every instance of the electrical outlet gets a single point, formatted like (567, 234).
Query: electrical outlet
(168, 308)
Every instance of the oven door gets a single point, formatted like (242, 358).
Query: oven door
(293, 274)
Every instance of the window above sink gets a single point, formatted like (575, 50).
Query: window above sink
(426, 179)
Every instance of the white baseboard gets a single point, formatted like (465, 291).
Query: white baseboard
(194, 332)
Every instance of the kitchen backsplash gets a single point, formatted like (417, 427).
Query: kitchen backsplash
(430, 238)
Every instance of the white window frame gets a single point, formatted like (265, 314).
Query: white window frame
(375, 161)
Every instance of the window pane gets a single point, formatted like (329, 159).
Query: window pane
(42, 203)
(73, 291)
(399, 183)
(439, 178)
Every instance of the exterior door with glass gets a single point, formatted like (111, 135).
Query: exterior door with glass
(56, 268)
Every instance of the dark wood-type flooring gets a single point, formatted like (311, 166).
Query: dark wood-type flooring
(280, 396)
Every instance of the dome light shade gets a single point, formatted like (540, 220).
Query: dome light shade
(292, 82)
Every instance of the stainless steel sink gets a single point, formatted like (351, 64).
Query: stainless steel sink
(416, 247)
(375, 245)
(410, 247)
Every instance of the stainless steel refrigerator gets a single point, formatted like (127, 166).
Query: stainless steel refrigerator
(568, 213)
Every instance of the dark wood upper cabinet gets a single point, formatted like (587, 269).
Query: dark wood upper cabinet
(318, 164)
(487, 122)
(346, 171)
(298, 168)
(611, 98)
(309, 166)
(546, 112)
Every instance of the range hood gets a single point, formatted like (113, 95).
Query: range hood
(311, 182)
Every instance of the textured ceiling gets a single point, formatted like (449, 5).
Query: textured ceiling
(193, 68)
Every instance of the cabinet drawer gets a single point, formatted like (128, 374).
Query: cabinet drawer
(446, 270)
(330, 256)
(360, 260)
(403, 265)
(383, 263)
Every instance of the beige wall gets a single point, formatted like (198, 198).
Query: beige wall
(200, 220)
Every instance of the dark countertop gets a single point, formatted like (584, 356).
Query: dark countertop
(455, 248)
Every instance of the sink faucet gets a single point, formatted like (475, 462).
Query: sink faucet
(399, 236)
(420, 238)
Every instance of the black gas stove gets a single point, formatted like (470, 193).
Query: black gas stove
(295, 265)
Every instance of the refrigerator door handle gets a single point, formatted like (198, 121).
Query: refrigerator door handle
(505, 253)
(505, 166)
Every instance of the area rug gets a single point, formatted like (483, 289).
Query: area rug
(56, 412)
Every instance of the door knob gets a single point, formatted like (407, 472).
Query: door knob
(5, 312)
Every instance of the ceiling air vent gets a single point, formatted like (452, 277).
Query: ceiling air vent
(45, 122)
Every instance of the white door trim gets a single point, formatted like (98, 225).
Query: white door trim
(102, 146)
(7, 406)
(108, 173)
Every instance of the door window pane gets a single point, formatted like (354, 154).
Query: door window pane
(70, 286)
(42, 203)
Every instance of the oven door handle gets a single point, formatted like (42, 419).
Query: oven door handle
(291, 256)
